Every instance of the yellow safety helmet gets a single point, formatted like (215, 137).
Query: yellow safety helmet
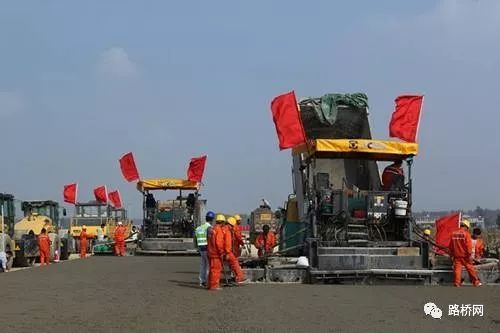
(427, 232)
(465, 223)
(231, 221)
(237, 217)
(220, 218)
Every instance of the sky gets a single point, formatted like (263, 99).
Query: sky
(83, 82)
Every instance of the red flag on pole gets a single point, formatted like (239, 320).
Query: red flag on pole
(115, 199)
(101, 194)
(129, 170)
(445, 226)
(196, 168)
(286, 117)
(406, 117)
(70, 193)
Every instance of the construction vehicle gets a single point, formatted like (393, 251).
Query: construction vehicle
(92, 215)
(38, 214)
(338, 217)
(263, 215)
(7, 219)
(168, 226)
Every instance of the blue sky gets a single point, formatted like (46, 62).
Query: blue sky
(81, 83)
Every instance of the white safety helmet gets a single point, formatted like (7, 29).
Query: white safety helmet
(120, 223)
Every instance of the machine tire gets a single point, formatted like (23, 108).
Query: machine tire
(64, 249)
(22, 261)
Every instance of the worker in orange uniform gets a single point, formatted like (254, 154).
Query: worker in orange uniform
(230, 257)
(119, 237)
(393, 177)
(265, 242)
(44, 247)
(238, 241)
(461, 252)
(215, 252)
(83, 242)
(477, 245)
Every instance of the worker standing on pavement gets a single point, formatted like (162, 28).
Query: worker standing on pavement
(215, 252)
(477, 245)
(229, 250)
(119, 237)
(44, 247)
(265, 242)
(101, 232)
(201, 240)
(238, 241)
(461, 254)
(83, 242)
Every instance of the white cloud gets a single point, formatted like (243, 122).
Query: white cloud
(11, 103)
(115, 61)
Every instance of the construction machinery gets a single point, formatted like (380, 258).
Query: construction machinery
(168, 226)
(7, 218)
(92, 215)
(38, 215)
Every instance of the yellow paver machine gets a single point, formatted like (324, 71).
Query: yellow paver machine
(168, 225)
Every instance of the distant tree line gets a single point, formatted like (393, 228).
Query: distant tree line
(491, 216)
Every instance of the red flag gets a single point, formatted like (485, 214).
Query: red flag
(406, 118)
(129, 170)
(445, 226)
(115, 199)
(286, 117)
(101, 194)
(196, 168)
(70, 193)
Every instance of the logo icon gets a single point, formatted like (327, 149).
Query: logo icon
(432, 310)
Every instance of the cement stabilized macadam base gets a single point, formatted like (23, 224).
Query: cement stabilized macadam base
(161, 294)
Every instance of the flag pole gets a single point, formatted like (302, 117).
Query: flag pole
(419, 118)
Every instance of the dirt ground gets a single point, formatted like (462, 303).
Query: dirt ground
(161, 294)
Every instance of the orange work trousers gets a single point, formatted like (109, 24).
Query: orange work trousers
(214, 272)
(83, 249)
(120, 248)
(44, 257)
(235, 267)
(458, 263)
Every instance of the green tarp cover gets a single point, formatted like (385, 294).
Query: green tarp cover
(326, 107)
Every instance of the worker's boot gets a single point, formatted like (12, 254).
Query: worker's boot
(243, 282)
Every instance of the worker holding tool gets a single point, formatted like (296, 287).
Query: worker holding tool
(265, 242)
(461, 251)
(44, 247)
(83, 242)
(229, 250)
(393, 176)
(477, 245)
(238, 237)
(215, 252)
(201, 242)
(119, 237)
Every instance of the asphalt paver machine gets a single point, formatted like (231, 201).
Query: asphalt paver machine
(168, 225)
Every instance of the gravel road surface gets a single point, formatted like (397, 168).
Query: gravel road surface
(161, 294)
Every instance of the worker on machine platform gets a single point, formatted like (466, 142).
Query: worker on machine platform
(238, 237)
(119, 240)
(393, 177)
(461, 254)
(44, 247)
(201, 239)
(477, 245)
(215, 252)
(265, 242)
(229, 256)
